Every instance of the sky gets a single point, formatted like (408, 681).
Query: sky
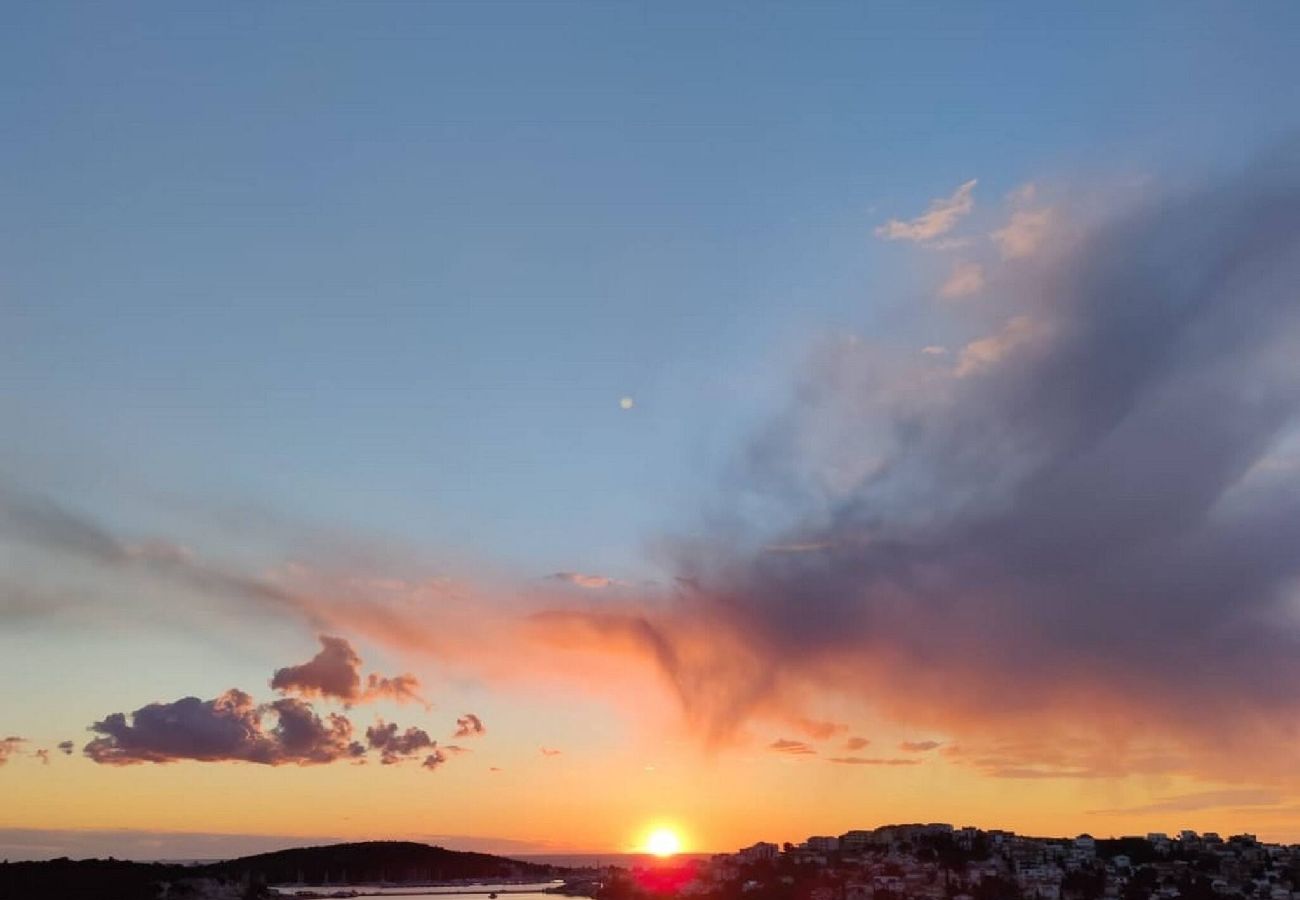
(521, 426)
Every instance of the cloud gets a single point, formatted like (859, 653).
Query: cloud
(40, 522)
(918, 746)
(401, 688)
(965, 279)
(819, 730)
(865, 761)
(806, 547)
(791, 748)
(1235, 797)
(395, 746)
(1049, 550)
(469, 725)
(583, 580)
(550, 751)
(9, 746)
(1024, 233)
(229, 728)
(335, 672)
(856, 743)
(984, 353)
(434, 760)
(66, 747)
(1053, 539)
(43, 754)
(940, 218)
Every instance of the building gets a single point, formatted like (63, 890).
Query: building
(760, 852)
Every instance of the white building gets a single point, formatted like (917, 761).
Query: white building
(823, 844)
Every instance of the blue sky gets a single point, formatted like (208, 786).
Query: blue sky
(395, 265)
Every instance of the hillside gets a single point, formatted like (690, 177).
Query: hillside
(371, 861)
(394, 861)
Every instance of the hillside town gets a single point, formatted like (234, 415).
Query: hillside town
(940, 862)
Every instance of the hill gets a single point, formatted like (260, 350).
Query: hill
(371, 861)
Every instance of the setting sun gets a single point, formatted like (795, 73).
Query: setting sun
(663, 842)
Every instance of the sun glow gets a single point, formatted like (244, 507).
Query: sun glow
(663, 842)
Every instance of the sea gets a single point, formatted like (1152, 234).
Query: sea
(530, 891)
(600, 860)
(534, 891)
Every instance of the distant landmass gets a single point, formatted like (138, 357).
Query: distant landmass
(247, 877)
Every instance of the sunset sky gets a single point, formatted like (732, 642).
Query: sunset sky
(521, 426)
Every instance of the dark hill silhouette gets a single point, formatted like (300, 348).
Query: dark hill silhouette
(371, 861)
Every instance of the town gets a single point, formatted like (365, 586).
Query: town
(940, 862)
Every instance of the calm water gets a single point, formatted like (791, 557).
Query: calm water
(589, 860)
(507, 891)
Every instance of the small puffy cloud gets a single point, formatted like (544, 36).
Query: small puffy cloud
(791, 748)
(434, 760)
(965, 279)
(9, 746)
(66, 747)
(550, 751)
(856, 743)
(919, 746)
(870, 761)
(934, 350)
(940, 218)
(395, 746)
(335, 673)
(469, 725)
(230, 727)
(43, 755)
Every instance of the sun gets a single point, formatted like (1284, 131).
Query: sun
(663, 842)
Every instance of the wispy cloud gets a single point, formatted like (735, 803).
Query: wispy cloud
(586, 580)
(965, 279)
(1232, 797)
(1028, 227)
(792, 748)
(940, 217)
(9, 746)
(919, 746)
